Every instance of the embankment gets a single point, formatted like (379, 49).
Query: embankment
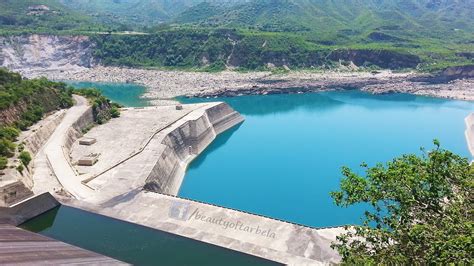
(184, 141)
(20, 184)
(76, 130)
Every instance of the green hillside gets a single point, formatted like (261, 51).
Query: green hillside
(23, 103)
(344, 19)
(136, 12)
(439, 33)
(42, 16)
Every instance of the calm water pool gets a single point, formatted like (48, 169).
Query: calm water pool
(286, 157)
(132, 243)
(126, 94)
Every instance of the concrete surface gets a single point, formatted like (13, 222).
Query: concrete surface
(54, 150)
(27, 209)
(248, 233)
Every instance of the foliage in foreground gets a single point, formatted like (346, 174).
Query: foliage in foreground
(422, 211)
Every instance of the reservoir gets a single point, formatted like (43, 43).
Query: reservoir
(282, 162)
(285, 159)
(126, 94)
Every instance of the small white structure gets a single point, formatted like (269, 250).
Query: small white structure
(87, 141)
(89, 160)
(38, 8)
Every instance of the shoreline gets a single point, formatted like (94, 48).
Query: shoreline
(162, 86)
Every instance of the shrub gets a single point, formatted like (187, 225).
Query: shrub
(3, 162)
(114, 112)
(20, 168)
(9, 133)
(7, 148)
(421, 211)
(25, 157)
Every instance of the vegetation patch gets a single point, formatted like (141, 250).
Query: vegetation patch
(102, 108)
(420, 211)
(23, 103)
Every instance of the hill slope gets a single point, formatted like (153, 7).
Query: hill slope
(342, 17)
(196, 33)
(41, 15)
(141, 12)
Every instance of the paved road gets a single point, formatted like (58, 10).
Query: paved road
(53, 150)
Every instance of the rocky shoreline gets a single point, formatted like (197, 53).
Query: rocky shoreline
(163, 86)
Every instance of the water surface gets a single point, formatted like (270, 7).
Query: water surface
(132, 243)
(126, 94)
(285, 159)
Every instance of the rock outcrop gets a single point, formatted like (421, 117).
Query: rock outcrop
(40, 52)
(457, 72)
(381, 58)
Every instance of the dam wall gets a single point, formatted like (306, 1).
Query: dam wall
(36, 139)
(28, 209)
(76, 130)
(470, 132)
(268, 238)
(185, 141)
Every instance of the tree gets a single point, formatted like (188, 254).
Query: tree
(421, 211)
(3, 162)
(25, 158)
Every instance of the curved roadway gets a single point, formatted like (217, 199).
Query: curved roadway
(53, 150)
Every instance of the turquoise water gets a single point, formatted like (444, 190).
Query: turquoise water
(132, 243)
(286, 157)
(126, 94)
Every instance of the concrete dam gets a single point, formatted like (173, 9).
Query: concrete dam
(141, 165)
(154, 143)
(138, 162)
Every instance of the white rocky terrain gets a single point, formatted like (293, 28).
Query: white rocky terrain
(71, 58)
(37, 53)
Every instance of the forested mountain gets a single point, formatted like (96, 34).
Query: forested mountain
(340, 17)
(252, 33)
(290, 15)
(332, 20)
(44, 15)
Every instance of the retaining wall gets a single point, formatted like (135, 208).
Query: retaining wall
(22, 183)
(75, 131)
(185, 141)
(28, 209)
